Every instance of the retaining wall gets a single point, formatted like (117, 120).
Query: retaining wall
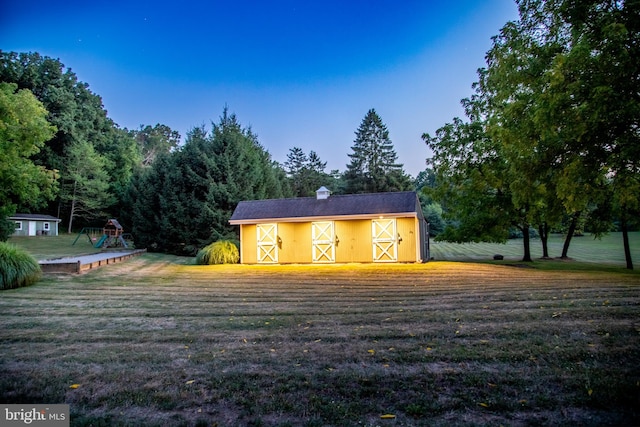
(83, 264)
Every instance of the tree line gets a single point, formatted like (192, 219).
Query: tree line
(551, 138)
(64, 156)
(549, 143)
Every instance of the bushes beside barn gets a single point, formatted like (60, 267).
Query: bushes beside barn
(17, 267)
(220, 252)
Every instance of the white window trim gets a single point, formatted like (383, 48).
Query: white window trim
(18, 225)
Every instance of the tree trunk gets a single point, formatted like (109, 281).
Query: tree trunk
(625, 240)
(73, 206)
(527, 246)
(543, 230)
(572, 229)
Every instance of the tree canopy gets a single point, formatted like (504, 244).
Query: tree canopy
(184, 200)
(79, 119)
(306, 172)
(558, 108)
(374, 163)
(154, 140)
(23, 130)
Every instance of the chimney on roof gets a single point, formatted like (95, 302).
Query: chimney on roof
(322, 193)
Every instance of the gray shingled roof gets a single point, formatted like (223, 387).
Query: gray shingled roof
(372, 204)
(39, 217)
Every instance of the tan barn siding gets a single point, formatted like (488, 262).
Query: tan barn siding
(248, 244)
(407, 231)
(296, 242)
(354, 241)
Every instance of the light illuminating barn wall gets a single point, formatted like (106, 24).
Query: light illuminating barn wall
(374, 227)
(352, 240)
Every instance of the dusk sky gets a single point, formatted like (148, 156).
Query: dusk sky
(300, 73)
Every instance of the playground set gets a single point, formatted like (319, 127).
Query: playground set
(112, 235)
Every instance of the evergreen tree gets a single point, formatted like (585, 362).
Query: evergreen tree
(306, 172)
(373, 167)
(295, 166)
(184, 200)
(145, 203)
(242, 170)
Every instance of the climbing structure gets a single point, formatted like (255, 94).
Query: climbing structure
(113, 235)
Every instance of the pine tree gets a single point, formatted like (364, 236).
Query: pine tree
(295, 166)
(185, 198)
(373, 167)
(306, 172)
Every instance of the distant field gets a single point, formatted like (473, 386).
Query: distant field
(608, 250)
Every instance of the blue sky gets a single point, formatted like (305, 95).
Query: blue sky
(300, 73)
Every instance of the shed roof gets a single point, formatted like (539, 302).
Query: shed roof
(34, 217)
(368, 205)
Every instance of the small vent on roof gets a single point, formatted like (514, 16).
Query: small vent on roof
(322, 193)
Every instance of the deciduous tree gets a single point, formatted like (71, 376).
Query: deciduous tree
(23, 131)
(85, 183)
(79, 117)
(153, 140)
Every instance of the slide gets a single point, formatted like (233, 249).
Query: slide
(101, 241)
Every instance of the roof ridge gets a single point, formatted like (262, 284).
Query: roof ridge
(333, 196)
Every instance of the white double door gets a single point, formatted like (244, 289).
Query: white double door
(323, 241)
(385, 240)
(267, 235)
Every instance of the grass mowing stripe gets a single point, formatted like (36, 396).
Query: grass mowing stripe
(433, 344)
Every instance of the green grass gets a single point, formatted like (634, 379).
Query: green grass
(155, 341)
(585, 249)
(159, 341)
(47, 247)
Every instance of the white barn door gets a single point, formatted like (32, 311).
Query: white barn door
(267, 235)
(323, 241)
(385, 242)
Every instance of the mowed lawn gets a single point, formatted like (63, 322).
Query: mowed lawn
(607, 250)
(155, 341)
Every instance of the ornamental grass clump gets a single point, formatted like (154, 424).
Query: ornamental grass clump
(17, 267)
(220, 252)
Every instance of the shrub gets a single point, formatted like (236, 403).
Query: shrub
(6, 228)
(220, 252)
(17, 267)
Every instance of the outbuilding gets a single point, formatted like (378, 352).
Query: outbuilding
(362, 228)
(35, 225)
